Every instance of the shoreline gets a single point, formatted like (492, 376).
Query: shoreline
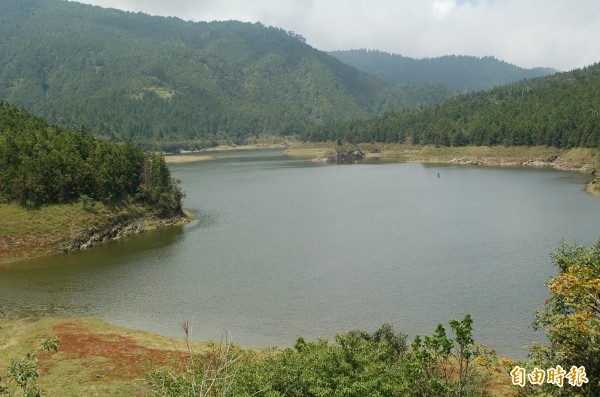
(61, 228)
(96, 236)
(96, 357)
(585, 160)
(213, 152)
(581, 160)
(103, 224)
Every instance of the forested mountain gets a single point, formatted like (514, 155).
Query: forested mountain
(562, 110)
(463, 73)
(44, 164)
(132, 76)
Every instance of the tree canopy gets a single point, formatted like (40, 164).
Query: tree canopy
(562, 110)
(42, 164)
(571, 319)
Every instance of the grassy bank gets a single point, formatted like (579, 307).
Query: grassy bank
(578, 159)
(94, 358)
(52, 229)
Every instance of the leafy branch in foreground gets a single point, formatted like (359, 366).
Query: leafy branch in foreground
(22, 375)
(440, 365)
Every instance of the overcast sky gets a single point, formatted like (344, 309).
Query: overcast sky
(563, 34)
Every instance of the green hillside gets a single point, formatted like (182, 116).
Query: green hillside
(153, 79)
(45, 164)
(463, 73)
(562, 110)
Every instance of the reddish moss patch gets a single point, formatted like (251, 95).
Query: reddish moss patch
(108, 355)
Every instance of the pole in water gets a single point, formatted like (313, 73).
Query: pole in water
(438, 174)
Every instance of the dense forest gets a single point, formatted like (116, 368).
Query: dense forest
(463, 73)
(43, 164)
(560, 110)
(126, 75)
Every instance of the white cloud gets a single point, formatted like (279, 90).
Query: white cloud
(555, 33)
(441, 8)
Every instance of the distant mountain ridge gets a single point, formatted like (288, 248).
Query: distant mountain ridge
(463, 73)
(153, 79)
(561, 110)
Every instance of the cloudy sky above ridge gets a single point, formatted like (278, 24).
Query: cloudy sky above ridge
(563, 34)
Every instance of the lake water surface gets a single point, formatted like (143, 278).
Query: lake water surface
(284, 247)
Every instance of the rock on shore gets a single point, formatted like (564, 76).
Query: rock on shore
(553, 161)
(342, 155)
(97, 235)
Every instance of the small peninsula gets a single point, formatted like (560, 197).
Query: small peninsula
(64, 190)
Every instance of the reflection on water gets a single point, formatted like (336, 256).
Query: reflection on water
(73, 284)
(283, 247)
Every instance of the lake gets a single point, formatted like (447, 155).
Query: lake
(283, 247)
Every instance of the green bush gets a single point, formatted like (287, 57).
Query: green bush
(355, 363)
(571, 319)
